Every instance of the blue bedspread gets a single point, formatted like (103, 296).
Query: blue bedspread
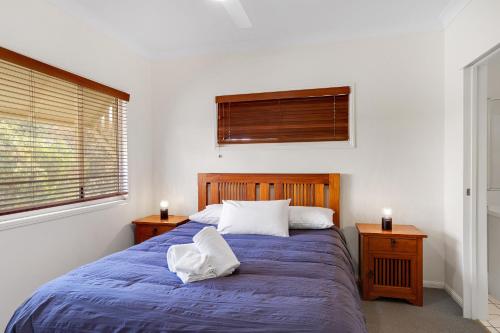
(304, 283)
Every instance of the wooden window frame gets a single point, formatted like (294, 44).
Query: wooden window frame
(24, 61)
(49, 70)
(348, 144)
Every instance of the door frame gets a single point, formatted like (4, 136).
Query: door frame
(475, 212)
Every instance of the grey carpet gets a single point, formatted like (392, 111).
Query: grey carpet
(439, 314)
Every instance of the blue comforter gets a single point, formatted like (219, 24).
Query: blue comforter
(304, 283)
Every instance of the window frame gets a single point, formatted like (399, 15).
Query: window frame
(348, 144)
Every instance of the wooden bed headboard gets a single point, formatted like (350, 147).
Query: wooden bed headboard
(320, 190)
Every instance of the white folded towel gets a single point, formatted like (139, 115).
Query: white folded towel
(220, 256)
(189, 264)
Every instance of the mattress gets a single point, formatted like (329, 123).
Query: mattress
(304, 283)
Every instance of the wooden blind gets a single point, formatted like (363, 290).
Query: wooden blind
(60, 142)
(288, 116)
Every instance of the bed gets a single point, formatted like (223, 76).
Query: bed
(304, 283)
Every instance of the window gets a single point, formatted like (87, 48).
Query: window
(62, 137)
(288, 116)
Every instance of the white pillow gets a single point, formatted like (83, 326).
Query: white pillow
(300, 217)
(210, 215)
(254, 217)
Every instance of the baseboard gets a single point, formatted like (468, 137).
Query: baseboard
(454, 295)
(434, 284)
(441, 285)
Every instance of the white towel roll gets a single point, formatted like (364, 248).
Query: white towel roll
(220, 256)
(189, 263)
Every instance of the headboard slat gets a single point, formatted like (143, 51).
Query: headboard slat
(214, 193)
(265, 191)
(251, 189)
(278, 191)
(303, 189)
(319, 195)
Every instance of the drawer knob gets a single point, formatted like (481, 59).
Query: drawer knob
(393, 242)
(155, 231)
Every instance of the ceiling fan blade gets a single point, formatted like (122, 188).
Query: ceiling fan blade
(235, 9)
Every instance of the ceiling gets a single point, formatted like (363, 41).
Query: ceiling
(166, 28)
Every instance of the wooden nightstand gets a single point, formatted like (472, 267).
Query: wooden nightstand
(391, 262)
(152, 226)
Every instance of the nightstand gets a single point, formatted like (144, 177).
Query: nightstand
(391, 262)
(152, 226)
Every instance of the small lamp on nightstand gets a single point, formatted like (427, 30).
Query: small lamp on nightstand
(387, 219)
(164, 210)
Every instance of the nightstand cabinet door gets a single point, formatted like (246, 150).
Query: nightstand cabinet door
(392, 275)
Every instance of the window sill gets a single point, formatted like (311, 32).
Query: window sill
(289, 145)
(57, 213)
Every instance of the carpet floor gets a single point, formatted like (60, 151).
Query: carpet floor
(439, 314)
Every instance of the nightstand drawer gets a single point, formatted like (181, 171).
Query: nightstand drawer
(145, 232)
(394, 244)
(151, 231)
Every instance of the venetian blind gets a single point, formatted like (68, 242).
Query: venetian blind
(60, 142)
(290, 116)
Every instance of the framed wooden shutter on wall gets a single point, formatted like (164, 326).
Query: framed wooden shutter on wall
(288, 116)
(63, 138)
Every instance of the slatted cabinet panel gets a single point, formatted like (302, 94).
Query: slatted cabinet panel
(392, 272)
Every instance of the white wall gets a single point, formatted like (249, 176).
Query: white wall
(32, 255)
(472, 33)
(399, 109)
